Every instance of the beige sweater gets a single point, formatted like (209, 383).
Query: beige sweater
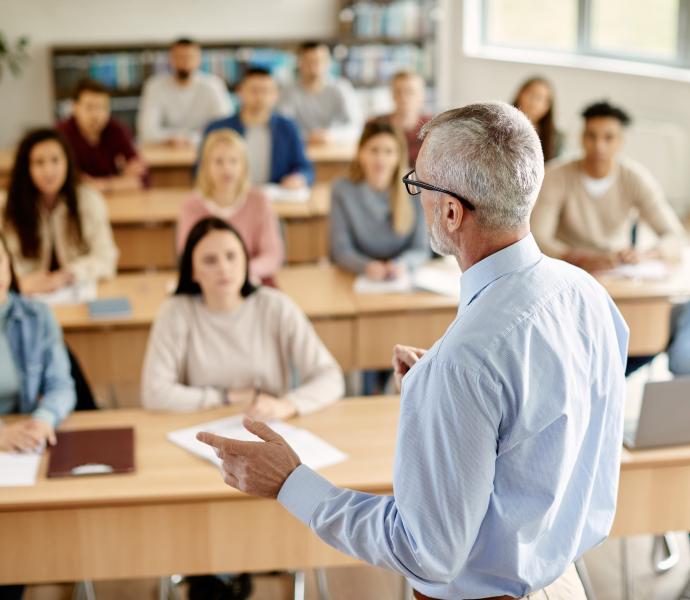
(195, 354)
(96, 258)
(567, 218)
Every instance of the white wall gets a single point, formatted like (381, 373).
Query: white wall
(27, 101)
(649, 100)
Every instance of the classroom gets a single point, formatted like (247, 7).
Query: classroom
(345, 299)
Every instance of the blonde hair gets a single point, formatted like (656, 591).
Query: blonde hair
(234, 140)
(402, 209)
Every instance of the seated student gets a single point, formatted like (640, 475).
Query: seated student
(175, 107)
(679, 349)
(223, 191)
(219, 340)
(102, 146)
(325, 108)
(57, 231)
(376, 228)
(587, 207)
(274, 148)
(535, 98)
(407, 89)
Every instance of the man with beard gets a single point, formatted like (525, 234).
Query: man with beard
(511, 425)
(175, 107)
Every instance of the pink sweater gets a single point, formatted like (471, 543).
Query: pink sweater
(255, 221)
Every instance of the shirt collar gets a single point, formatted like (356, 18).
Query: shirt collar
(512, 258)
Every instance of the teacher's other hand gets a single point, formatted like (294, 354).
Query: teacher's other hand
(404, 358)
(255, 468)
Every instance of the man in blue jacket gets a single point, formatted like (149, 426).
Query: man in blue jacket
(275, 151)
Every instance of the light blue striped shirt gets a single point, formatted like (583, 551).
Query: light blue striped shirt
(509, 442)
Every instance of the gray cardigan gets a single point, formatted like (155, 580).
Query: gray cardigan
(361, 229)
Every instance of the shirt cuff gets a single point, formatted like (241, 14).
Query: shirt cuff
(43, 414)
(303, 491)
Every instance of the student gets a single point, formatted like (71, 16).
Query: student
(57, 231)
(407, 89)
(34, 368)
(376, 228)
(587, 207)
(175, 107)
(679, 348)
(274, 148)
(325, 108)
(535, 98)
(220, 340)
(223, 191)
(102, 146)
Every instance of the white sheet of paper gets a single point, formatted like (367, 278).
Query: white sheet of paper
(312, 450)
(84, 291)
(364, 285)
(441, 276)
(647, 269)
(20, 469)
(277, 193)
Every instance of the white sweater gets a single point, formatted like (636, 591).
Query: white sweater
(195, 354)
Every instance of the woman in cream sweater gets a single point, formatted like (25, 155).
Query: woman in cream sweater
(219, 340)
(57, 232)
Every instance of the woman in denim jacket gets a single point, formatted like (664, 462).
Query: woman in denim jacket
(35, 375)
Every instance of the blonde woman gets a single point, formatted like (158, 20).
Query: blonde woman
(376, 228)
(223, 191)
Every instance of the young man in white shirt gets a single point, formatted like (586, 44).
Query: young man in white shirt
(176, 106)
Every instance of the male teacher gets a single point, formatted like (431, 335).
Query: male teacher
(508, 451)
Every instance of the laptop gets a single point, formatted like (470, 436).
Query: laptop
(664, 416)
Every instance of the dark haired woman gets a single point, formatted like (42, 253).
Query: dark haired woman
(220, 340)
(34, 367)
(57, 231)
(535, 98)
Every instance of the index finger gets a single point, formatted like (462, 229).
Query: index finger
(226, 445)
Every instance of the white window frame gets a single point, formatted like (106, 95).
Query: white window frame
(475, 43)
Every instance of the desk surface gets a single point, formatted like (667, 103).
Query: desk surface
(162, 205)
(363, 428)
(162, 156)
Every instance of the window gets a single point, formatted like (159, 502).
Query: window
(653, 31)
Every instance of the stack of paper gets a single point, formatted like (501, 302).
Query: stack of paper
(364, 285)
(19, 469)
(312, 450)
(84, 291)
(440, 276)
(278, 193)
(648, 269)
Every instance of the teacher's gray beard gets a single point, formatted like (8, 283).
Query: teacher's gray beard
(438, 239)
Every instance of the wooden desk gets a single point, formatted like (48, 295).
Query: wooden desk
(331, 161)
(174, 515)
(144, 224)
(172, 167)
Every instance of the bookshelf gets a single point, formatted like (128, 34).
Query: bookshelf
(375, 39)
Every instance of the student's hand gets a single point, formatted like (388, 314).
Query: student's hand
(38, 282)
(237, 397)
(593, 262)
(394, 269)
(25, 435)
(61, 278)
(256, 468)
(178, 141)
(268, 408)
(404, 358)
(318, 136)
(629, 256)
(135, 167)
(294, 181)
(376, 270)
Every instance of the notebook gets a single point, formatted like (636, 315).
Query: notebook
(109, 308)
(92, 452)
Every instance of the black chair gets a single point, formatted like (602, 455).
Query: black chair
(85, 399)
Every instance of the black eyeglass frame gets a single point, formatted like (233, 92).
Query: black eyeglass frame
(427, 186)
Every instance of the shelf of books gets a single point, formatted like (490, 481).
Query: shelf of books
(375, 39)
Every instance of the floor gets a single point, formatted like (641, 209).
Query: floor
(369, 583)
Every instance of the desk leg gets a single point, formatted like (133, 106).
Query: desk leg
(627, 576)
(84, 591)
(299, 585)
(322, 584)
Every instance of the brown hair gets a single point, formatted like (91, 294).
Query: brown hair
(402, 209)
(89, 85)
(14, 282)
(221, 136)
(546, 128)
